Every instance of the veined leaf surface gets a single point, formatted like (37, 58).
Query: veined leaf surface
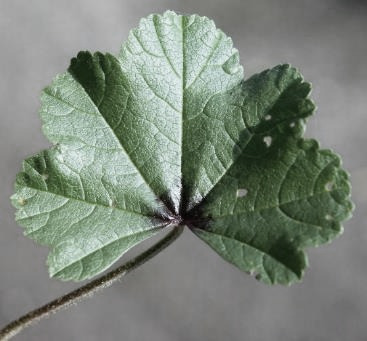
(167, 133)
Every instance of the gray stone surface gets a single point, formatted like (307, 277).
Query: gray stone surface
(188, 293)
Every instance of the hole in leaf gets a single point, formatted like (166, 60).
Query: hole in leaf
(268, 140)
(329, 186)
(44, 176)
(22, 201)
(241, 192)
(267, 117)
(328, 217)
(292, 124)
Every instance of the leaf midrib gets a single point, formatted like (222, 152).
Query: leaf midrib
(118, 141)
(152, 215)
(279, 205)
(256, 248)
(183, 85)
(252, 134)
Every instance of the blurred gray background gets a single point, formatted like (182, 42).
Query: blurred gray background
(188, 292)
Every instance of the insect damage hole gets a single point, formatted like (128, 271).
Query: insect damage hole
(267, 117)
(22, 201)
(292, 124)
(268, 140)
(328, 217)
(329, 186)
(241, 192)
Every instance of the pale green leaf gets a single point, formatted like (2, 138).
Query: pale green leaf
(168, 133)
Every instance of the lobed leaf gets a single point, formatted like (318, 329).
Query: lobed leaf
(169, 133)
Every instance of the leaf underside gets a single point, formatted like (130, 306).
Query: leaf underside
(169, 132)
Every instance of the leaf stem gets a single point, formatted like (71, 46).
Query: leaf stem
(16, 326)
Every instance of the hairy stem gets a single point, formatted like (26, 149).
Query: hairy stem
(15, 327)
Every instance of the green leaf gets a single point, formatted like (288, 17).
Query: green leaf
(168, 133)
